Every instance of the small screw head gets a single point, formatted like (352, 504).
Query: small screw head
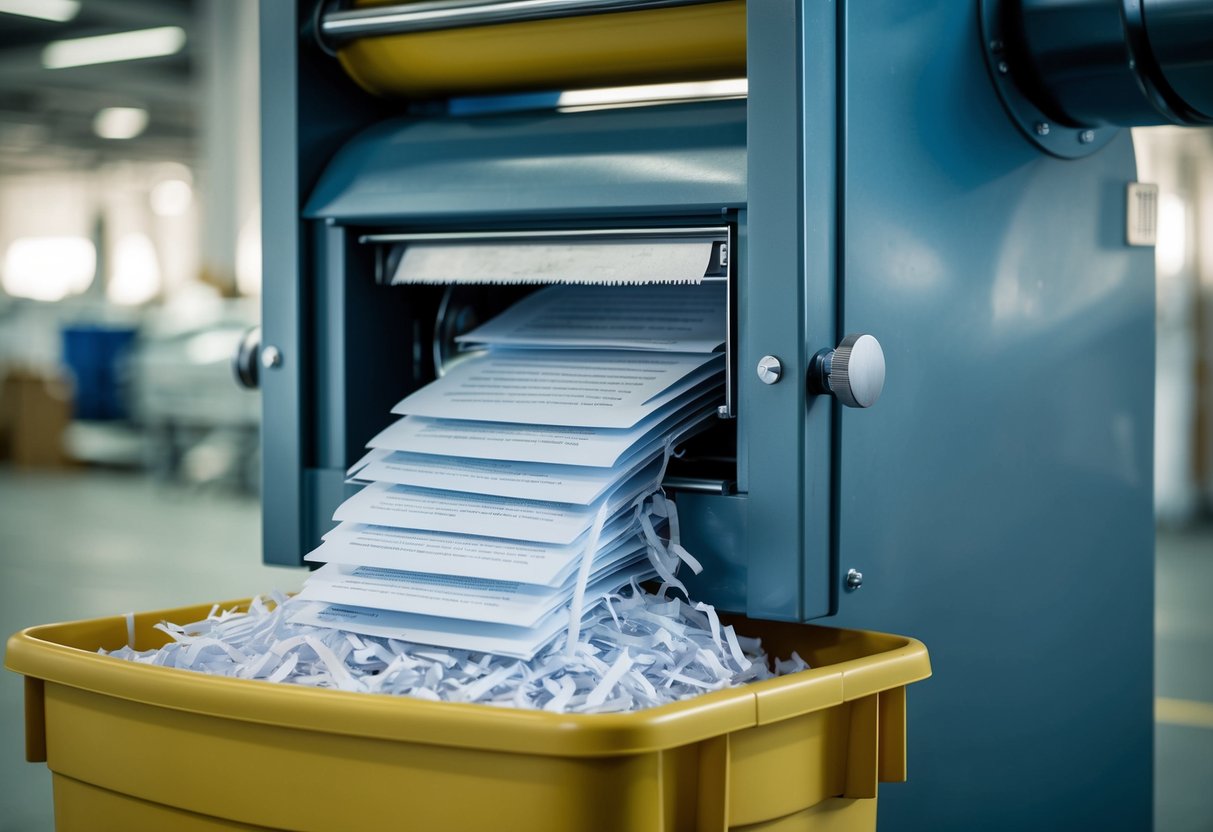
(271, 357)
(1086, 136)
(1042, 128)
(995, 45)
(769, 369)
(1003, 69)
(853, 580)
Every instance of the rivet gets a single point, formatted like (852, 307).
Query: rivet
(1042, 128)
(1086, 136)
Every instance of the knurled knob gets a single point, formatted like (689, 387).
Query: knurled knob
(853, 373)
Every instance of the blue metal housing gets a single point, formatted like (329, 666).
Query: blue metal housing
(997, 498)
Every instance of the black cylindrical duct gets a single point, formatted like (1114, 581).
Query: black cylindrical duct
(1091, 63)
(1180, 33)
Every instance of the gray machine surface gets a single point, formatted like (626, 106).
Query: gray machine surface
(997, 499)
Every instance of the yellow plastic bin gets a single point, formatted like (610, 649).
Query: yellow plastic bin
(136, 747)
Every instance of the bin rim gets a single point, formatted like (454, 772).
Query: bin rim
(44, 652)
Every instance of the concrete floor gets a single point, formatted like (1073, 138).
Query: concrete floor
(80, 544)
(1183, 682)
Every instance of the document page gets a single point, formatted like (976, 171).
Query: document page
(458, 633)
(597, 388)
(576, 484)
(653, 317)
(613, 262)
(449, 596)
(404, 507)
(451, 633)
(473, 556)
(597, 447)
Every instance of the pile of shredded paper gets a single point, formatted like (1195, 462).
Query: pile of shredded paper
(634, 650)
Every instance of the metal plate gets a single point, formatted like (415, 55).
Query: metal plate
(1055, 139)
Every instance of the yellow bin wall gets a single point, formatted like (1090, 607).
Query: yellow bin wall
(640, 47)
(136, 747)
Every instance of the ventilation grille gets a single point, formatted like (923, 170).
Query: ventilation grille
(1141, 228)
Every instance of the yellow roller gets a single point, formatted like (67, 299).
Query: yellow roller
(696, 42)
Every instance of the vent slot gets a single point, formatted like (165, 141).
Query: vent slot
(1141, 227)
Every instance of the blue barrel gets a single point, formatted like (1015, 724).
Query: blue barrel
(96, 357)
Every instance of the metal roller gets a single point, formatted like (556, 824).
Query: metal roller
(449, 47)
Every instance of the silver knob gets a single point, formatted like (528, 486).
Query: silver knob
(246, 359)
(769, 369)
(853, 373)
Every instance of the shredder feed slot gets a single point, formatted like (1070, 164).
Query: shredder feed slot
(478, 251)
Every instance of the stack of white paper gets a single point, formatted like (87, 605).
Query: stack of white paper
(519, 488)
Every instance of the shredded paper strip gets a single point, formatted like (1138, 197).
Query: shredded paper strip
(634, 650)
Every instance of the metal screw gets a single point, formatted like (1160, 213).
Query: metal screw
(271, 357)
(995, 46)
(1086, 136)
(1042, 128)
(769, 369)
(722, 412)
(854, 580)
(1003, 69)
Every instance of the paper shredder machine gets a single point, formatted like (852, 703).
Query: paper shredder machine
(950, 178)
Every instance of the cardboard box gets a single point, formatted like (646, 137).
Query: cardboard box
(35, 409)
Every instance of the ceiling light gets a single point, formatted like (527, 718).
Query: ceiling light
(120, 122)
(59, 11)
(49, 268)
(121, 46)
(171, 197)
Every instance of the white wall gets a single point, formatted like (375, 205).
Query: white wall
(1180, 162)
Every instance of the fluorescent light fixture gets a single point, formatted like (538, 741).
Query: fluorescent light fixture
(120, 122)
(49, 268)
(121, 46)
(58, 11)
(651, 94)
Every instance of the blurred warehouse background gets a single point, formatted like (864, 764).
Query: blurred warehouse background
(130, 268)
(129, 240)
